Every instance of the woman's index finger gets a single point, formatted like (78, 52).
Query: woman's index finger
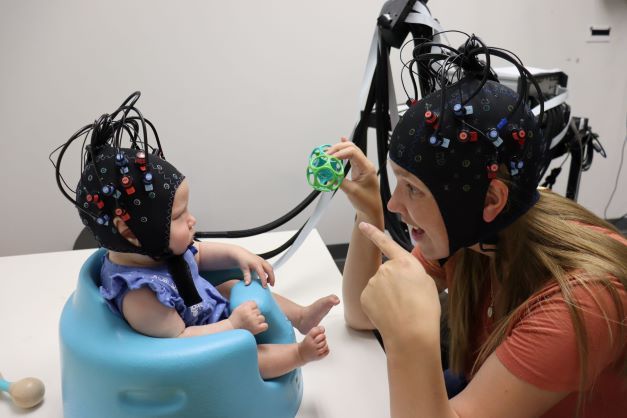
(387, 245)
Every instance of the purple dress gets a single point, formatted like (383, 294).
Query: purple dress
(117, 280)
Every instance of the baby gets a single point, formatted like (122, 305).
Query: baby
(137, 206)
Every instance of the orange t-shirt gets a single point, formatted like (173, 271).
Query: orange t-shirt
(541, 347)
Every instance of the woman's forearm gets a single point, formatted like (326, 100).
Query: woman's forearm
(362, 261)
(416, 380)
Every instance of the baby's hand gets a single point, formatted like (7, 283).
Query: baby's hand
(250, 262)
(247, 316)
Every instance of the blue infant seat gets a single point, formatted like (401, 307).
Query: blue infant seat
(110, 371)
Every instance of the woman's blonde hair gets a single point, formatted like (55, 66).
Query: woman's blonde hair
(546, 245)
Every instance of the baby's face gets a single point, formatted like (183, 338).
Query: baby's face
(182, 224)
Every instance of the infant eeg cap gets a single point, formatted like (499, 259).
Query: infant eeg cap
(137, 187)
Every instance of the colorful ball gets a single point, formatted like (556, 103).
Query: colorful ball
(324, 172)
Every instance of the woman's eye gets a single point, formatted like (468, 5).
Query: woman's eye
(414, 191)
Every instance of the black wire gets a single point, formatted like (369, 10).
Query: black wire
(283, 247)
(155, 134)
(127, 110)
(419, 38)
(98, 139)
(403, 81)
(564, 160)
(83, 153)
(443, 97)
(106, 129)
(522, 88)
(63, 148)
(524, 76)
(414, 39)
(413, 80)
(421, 45)
(450, 61)
(510, 53)
(486, 71)
(530, 77)
(263, 228)
(432, 44)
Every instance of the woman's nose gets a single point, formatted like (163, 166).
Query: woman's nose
(393, 205)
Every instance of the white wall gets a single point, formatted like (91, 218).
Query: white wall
(241, 92)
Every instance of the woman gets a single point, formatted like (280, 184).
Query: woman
(536, 283)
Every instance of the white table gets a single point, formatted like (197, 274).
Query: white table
(350, 382)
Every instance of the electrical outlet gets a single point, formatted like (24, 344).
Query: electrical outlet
(598, 34)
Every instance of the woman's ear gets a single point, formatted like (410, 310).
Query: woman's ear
(125, 231)
(495, 200)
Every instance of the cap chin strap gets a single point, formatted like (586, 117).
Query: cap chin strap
(482, 246)
(182, 277)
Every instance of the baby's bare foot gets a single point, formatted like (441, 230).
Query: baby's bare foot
(314, 346)
(313, 314)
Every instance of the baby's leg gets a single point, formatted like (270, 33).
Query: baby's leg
(225, 288)
(304, 318)
(278, 359)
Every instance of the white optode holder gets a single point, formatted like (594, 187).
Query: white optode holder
(26, 393)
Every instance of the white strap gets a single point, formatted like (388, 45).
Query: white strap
(422, 19)
(550, 104)
(392, 105)
(323, 202)
(371, 64)
(432, 22)
(557, 138)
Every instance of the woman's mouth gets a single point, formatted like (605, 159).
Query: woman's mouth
(417, 233)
